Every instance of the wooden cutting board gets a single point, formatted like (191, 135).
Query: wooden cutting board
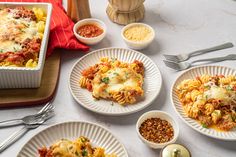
(35, 96)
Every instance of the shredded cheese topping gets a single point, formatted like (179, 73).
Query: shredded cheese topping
(17, 29)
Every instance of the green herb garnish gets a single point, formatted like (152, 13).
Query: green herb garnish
(84, 152)
(229, 88)
(115, 73)
(1, 50)
(113, 59)
(204, 125)
(14, 49)
(105, 80)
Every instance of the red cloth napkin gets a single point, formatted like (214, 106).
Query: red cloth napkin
(61, 28)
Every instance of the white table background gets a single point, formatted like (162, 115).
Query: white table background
(180, 26)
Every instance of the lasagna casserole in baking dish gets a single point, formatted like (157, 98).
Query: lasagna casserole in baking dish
(24, 31)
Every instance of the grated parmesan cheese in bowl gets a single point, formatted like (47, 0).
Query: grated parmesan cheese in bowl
(138, 35)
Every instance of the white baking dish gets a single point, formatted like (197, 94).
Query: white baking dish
(21, 77)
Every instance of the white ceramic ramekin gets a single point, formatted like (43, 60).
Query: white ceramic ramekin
(94, 40)
(164, 116)
(138, 45)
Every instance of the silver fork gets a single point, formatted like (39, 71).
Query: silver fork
(27, 119)
(186, 56)
(16, 135)
(186, 65)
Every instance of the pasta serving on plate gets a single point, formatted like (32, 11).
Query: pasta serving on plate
(81, 147)
(21, 32)
(115, 80)
(210, 99)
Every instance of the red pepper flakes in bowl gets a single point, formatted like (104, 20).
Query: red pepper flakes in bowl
(156, 130)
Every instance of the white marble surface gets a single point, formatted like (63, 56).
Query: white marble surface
(181, 26)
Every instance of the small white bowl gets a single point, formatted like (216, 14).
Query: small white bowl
(94, 40)
(164, 116)
(137, 45)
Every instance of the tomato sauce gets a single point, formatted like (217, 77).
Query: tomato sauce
(89, 31)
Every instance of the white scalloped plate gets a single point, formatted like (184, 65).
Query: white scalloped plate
(98, 136)
(152, 81)
(190, 74)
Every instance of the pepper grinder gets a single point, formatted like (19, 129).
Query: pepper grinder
(78, 9)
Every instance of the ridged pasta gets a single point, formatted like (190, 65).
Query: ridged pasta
(137, 66)
(41, 26)
(205, 78)
(120, 98)
(39, 13)
(216, 116)
(233, 83)
(31, 64)
(209, 108)
(210, 99)
(83, 82)
(103, 68)
(187, 98)
(194, 94)
(189, 84)
(124, 98)
(192, 111)
(226, 80)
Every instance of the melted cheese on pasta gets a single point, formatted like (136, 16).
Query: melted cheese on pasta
(62, 147)
(216, 92)
(14, 31)
(9, 46)
(118, 79)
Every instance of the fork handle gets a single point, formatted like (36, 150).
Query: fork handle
(219, 47)
(217, 59)
(12, 122)
(14, 137)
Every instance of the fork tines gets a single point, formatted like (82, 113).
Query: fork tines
(174, 58)
(44, 116)
(172, 65)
